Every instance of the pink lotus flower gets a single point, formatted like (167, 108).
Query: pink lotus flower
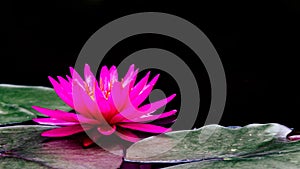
(104, 107)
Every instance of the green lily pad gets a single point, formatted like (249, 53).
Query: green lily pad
(16, 102)
(23, 147)
(279, 160)
(212, 142)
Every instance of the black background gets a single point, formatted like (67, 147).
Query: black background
(258, 43)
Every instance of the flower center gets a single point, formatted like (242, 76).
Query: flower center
(105, 87)
(90, 91)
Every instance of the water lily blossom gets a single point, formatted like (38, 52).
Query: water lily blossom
(105, 106)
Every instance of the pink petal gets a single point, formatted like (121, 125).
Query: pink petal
(69, 79)
(156, 105)
(63, 131)
(139, 86)
(127, 135)
(54, 83)
(63, 94)
(151, 117)
(84, 104)
(120, 96)
(104, 72)
(294, 137)
(66, 88)
(112, 69)
(58, 114)
(98, 93)
(129, 75)
(65, 84)
(124, 115)
(113, 109)
(113, 73)
(134, 76)
(89, 77)
(71, 71)
(76, 77)
(145, 127)
(131, 113)
(84, 120)
(54, 121)
(145, 92)
(129, 72)
(102, 103)
(79, 105)
(66, 98)
(64, 116)
(104, 78)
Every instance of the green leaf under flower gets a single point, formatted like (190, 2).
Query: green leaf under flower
(23, 147)
(16, 102)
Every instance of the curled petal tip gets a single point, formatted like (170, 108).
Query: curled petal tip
(107, 130)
